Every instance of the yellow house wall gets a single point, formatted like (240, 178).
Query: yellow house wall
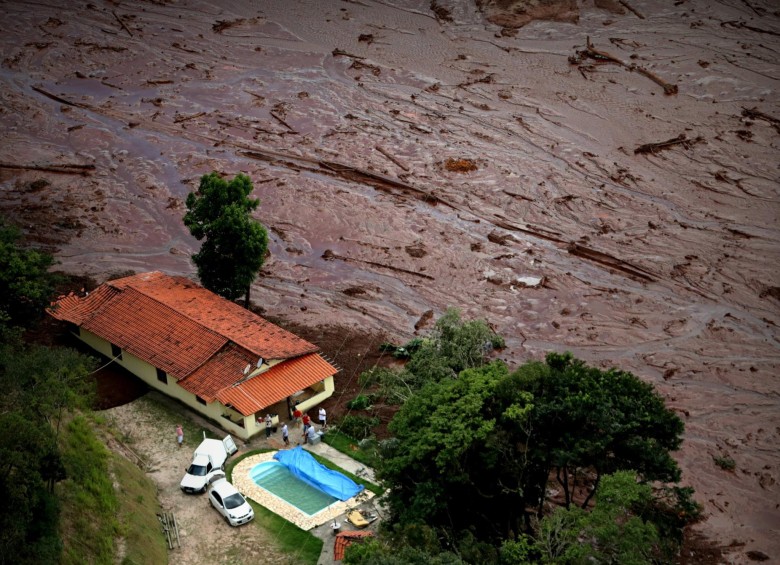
(327, 392)
(148, 374)
(214, 410)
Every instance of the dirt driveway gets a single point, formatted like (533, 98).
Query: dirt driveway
(148, 427)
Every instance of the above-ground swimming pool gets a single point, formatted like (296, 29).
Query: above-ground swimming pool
(279, 481)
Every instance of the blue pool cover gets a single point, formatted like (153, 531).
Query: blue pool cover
(308, 469)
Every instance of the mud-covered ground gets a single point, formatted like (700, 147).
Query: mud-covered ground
(411, 156)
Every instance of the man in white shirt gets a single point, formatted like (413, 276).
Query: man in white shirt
(322, 416)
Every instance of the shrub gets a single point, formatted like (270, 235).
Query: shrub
(358, 427)
(360, 402)
(726, 463)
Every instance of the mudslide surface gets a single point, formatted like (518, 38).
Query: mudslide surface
(606, 184)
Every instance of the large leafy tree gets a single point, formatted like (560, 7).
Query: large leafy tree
(456, 461)
(234, 244)
(610, 533)
(586, 419)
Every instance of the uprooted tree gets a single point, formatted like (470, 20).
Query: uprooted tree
(234, 243)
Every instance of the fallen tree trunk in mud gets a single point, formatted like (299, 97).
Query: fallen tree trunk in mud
(609, 261)
(656, 147)
(391, 158)
(754, 114)
(631, 9)
(330, 255)
(602, 56)
(65, 169)
(61, 100)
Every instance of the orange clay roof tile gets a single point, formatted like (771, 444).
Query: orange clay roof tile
(199, 338)
(222, 316)
(75, 309)
(275, 384)
(345, 539)
(155, 333)
(224, 369)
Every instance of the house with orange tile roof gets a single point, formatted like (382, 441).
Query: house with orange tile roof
(218, 358)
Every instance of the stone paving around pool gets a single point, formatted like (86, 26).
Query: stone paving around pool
(244, 483)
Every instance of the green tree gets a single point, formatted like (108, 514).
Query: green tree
(235, 244)
(38, 385)
(585, 418)
(453, 346)
(26, 286)
(610, 533)
(456, 460)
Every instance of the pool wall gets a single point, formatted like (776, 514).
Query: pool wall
(242, 480)
(277, 479)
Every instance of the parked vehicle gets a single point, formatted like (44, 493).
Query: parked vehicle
(228, 501)
(209, 457)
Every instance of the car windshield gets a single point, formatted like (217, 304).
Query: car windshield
(234, 501)
(196, 470)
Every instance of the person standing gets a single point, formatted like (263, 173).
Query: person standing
(306, 422)
(297, 417)
(323, 416)
(268, 423)
(179, 434)
(285, 435)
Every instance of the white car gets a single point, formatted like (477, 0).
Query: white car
(228, 501)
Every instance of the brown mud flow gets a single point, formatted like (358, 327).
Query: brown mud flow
(408, 159)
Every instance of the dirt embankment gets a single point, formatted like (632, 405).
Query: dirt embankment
(351, 118)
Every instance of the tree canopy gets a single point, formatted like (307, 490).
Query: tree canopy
(26, 286)
(453, 346)
(475, 446)
(234, 244)
(39, 384)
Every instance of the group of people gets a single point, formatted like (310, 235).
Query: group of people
(309, 432)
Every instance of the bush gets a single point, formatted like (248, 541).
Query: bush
(358, 427)
(360, 402)
(726, 463)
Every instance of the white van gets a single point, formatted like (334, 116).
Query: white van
(209, 457)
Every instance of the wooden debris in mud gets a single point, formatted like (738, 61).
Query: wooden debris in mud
(329, 255)
(124, 27)
(745, 26)
(179, 119)
(58, 99)
(357, 65)
(609, 261)
(631, 9)
(281, 121)
(460, 165)
(391, 158)
(754, 114)
(65, 168)
(679, 140)
(602, 56)
(222, 25)
(340, 52)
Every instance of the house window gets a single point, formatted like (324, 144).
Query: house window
(200, 400)
(162, 376)
(116, 351)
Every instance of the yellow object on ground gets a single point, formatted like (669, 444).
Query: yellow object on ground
(356, 519)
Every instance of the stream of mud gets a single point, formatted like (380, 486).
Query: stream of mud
(408, 163)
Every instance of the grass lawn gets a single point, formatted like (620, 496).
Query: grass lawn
(365, 455)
